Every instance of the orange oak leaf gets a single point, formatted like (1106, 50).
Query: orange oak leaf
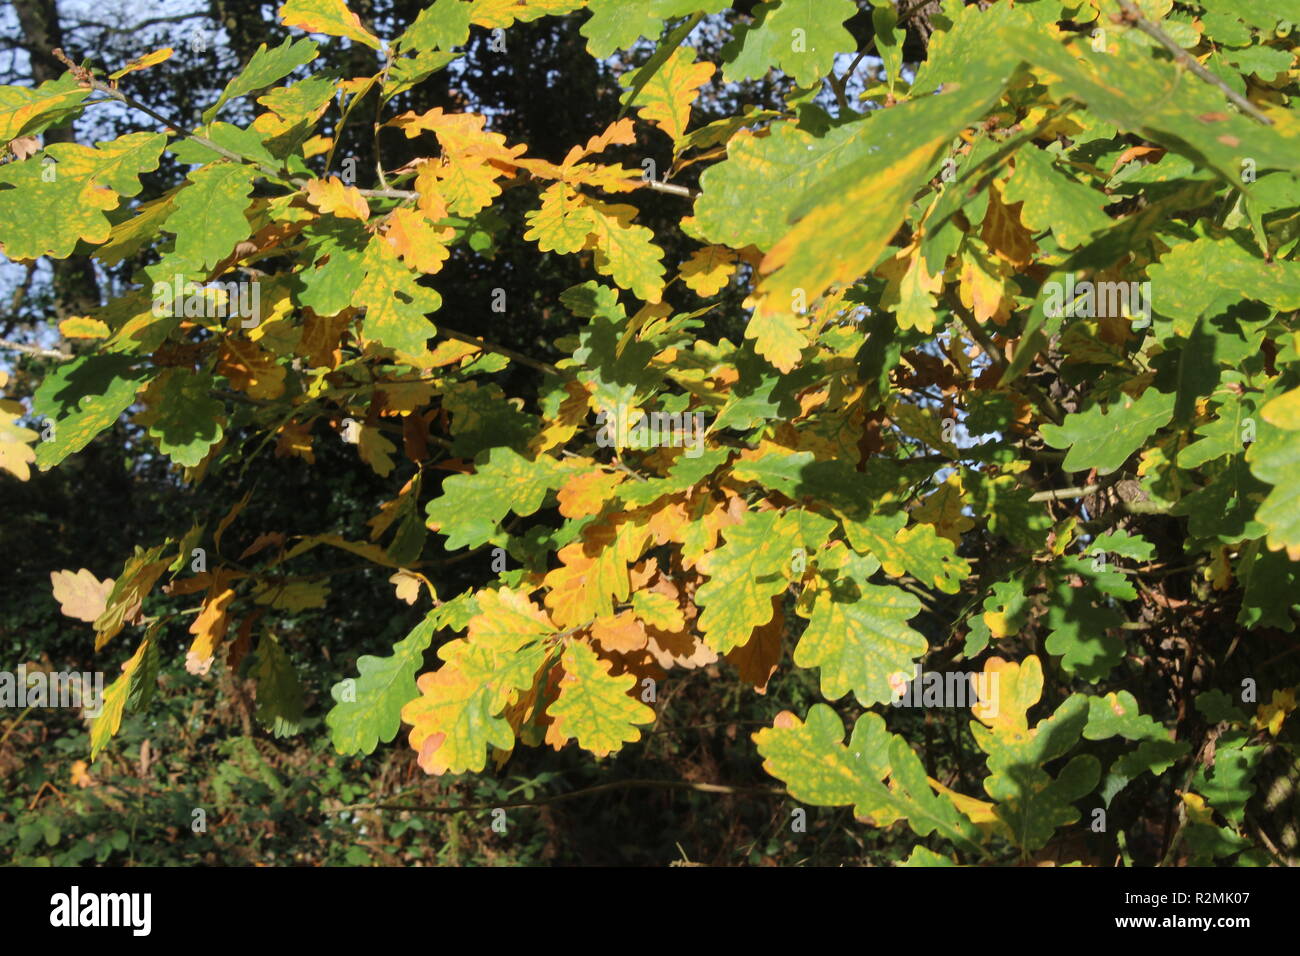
(331, 196)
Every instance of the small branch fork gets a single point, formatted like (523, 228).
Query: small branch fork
(1134, 16)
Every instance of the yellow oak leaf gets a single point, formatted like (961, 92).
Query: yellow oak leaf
(1004, 233)
(331, 17)
(587, 492)
(910, 291)
(708, 270)
(568, 419)
(1271, 716)
(593, 572)
(331, 196)
(83, 327)
(1013, 689)
(563, 221)
(943, 509)
(142, 62)
(625, 252)
(16, 454)
(209, 629)
(593, 706)
(251, 369)
(376, 450)
(985, 286)
(406, 584)
(622, 632)
(666, 99)
(421, 244)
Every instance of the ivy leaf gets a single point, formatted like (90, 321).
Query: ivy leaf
(377, 695)
(1104, 439)
(594, 707)
(87, 182)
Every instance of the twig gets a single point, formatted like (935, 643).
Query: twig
(500, 350)
(573, 795)
(36, 350)
(13, 725)
(1133, 15)
(1057, 494)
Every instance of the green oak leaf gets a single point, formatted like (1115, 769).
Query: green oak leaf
(279, 695)
(1052, 200)
(367, 709)
(817, 768)
(185, 418)
(799, 36)
(395, 303)
(1078, 633)
(207, 216)
(87, 181)
(593, 706)
(264, 67)
(753, 566)
(1104, 439)
(472, 506)
(858, 636)
(618, 24)
(83, 398)
(1274, 458)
